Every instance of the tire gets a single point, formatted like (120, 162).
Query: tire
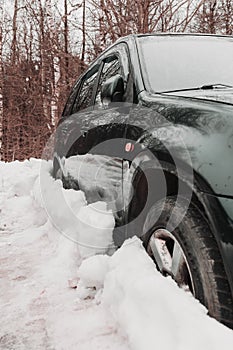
(201, 268)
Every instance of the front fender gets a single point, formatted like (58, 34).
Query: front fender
(210, 155)
(218, 210)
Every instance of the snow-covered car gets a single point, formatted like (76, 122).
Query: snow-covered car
(151, 120)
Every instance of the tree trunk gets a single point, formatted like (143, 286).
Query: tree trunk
(66, 45)
(1, 93)
(43, 59)
(82, 58)
(14, 38)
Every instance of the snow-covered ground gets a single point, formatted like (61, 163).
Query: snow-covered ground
(62, 286)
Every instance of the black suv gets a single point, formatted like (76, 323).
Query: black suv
(151, 124)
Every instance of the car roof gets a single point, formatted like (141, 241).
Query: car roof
(134, 36)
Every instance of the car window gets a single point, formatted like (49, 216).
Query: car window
(172, 63)
(71, 99)
(84, 97)
(110, 68)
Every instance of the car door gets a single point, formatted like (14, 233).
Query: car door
(107, 122)
(70, 134)
(105, 132)
(95, 131)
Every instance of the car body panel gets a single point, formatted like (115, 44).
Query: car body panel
(220, 218)
(196, 126)
(192, 127)
(219, 94)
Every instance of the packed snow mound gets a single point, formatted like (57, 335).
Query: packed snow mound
(64, 287)
(39, 263)
(96, 172)
(90, 225)
(92, 274)
(150, 309)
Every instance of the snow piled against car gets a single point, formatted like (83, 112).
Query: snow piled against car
(65, 286)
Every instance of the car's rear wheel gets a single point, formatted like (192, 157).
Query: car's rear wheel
(190, 255)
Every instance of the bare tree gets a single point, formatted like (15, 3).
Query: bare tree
(82, 57)
(66, 44)
(46, 44)
(226, 8)
(14, 36)
(115, 18)
(1, 81)
(215, 16)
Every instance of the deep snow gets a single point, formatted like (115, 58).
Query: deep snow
(48, 246)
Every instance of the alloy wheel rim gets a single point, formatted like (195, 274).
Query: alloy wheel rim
(170, 259)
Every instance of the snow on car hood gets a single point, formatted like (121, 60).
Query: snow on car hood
(220, 95)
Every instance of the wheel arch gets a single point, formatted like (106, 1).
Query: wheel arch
(175, 185)
(202, 197)
(173, 181)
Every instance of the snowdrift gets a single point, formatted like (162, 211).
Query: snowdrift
(63, 285)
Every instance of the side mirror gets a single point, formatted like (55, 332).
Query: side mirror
(113, 89)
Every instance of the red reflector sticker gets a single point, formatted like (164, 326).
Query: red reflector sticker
(129, 147)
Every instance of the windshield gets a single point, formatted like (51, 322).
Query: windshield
(171, 63)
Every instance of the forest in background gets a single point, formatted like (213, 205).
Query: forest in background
(46, 44)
